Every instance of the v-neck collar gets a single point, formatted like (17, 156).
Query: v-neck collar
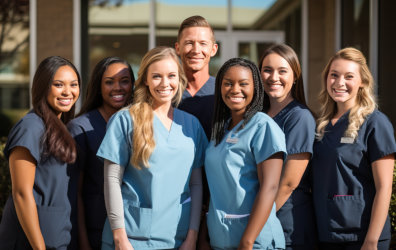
(285, 109)
(340, 120)
(163, 130)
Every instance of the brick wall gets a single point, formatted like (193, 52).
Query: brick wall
(54, 29)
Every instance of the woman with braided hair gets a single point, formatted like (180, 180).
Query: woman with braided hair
(243, 163)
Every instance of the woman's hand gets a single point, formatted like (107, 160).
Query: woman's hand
(369, 245)
(121, 240)
(191, 241)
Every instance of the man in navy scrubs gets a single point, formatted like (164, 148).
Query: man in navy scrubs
(196, 45)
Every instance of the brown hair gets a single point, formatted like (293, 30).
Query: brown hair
(194, 21)
(57, 140)
(290, 56)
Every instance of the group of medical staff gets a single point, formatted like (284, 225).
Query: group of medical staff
(129, 171)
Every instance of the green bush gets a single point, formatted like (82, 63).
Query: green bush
(392, 210)
(5, 179)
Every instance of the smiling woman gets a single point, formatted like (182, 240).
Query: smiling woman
(251, 148)
(109, 89)
(353, 158)
(150, 149)
(39, 148)
(64, 91)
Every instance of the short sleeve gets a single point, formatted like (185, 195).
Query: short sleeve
(27, 133)
(116, 144)
(268, 140)
(201, 142)
(300, 132)
(380, 137)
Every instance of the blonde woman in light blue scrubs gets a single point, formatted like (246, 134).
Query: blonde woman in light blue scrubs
(243, 163)
(153, 156)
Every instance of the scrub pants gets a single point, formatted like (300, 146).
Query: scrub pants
(355, 245)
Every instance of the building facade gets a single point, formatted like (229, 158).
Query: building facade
(85, 31)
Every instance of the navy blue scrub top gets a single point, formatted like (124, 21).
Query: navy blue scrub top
(88, 131)
(296, 215)
(49, 190)
(343, 183)
(201, 105)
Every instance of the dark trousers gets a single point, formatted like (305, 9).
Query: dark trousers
(355, 245)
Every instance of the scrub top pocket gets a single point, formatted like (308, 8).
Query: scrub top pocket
(345, 213)
(54, 226)
(234, 228)
(138, 222)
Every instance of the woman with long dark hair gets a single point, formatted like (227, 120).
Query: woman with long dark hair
(109, 89)
(243, 163)
(39, 148)
(285, 102)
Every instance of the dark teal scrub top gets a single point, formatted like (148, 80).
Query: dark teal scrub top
(49, 190)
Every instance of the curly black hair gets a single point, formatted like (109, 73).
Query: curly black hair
(222, 112)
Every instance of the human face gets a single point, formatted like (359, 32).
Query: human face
(237, 89)
(116, 86)
(64, 90)
(163, 81)
(195, 48)
(278, 78)
(343, 82)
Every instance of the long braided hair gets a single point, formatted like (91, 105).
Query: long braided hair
(221, 112)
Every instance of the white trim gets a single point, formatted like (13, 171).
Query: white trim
(32, 42)
(337, 26)
(151, 38)
(373, 49)
(229, 16)
(304, 46)
(229, 40)
(77, 43)
(77, 34)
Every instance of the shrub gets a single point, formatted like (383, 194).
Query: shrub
(5, 179)
(392, 210)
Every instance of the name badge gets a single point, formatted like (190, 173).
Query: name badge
(232, 139)
(348, 140)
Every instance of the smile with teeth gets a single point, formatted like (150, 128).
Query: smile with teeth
(65, 101)
(236, 99)
(340, 91)
(164, 92)
(118, 97)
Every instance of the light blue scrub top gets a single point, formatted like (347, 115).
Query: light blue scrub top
(156, 199)
(231, 169)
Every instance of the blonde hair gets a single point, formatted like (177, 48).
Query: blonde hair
(141, 111)
(365, 99)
